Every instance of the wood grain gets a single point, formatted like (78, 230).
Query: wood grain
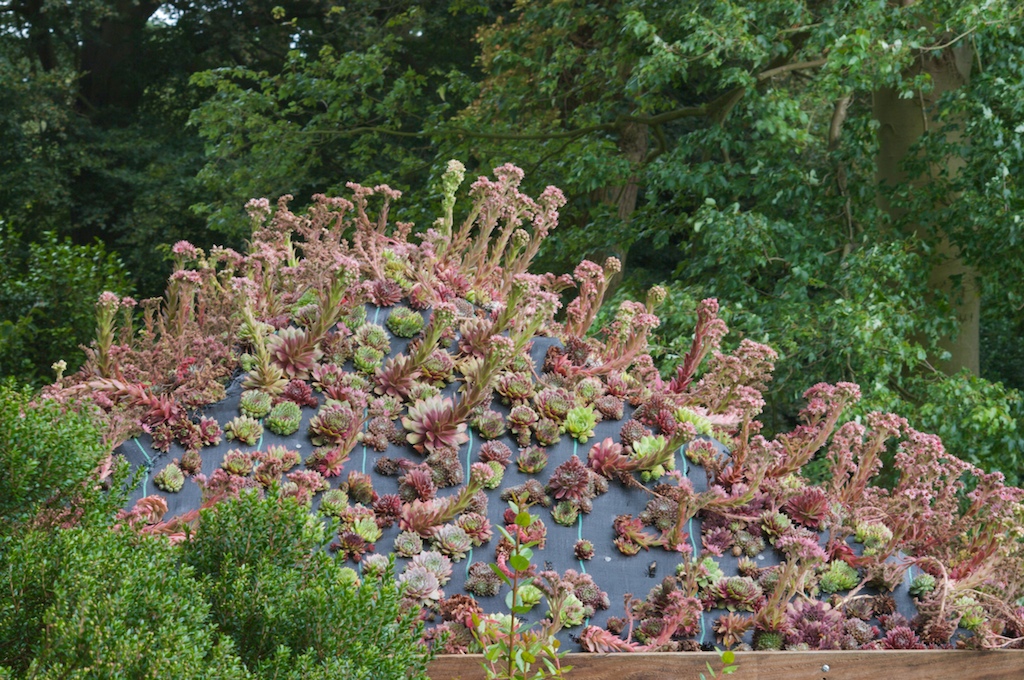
(868, 665)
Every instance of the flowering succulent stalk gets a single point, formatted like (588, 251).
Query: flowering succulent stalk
(423, 516)
(106, 310)
(265, 375)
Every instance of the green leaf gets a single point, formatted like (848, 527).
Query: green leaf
(523, 519)
(519, 563)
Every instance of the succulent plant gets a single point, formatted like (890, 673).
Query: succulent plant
(326, 376)
(588, 390)
(397, 377)
(438, 368)
(360, 487)
(336, 423)
(421, 586)
(377, 435)
(404, 322)
(767, 641)
(452, 540)
(476, 526)
(583, 549)
(333, 502)
(299, 392)
(519, 421)
(255, 404)
(307, 483)
(922, 584)
(809, 507)
(351, 546)
(738, 593)
(610, 408)
(375, 566)
(238, 462)
(481, 581)
(547, 432)
(532, 460)
(170, 479)
(700, 423)
(367, 360)
(422, 391)
(190, 463)
(209, 431)
(873, 535)
(499, 474)
(774, 524)
(245, 429)
(730, 628)
(384, 292)
(607, 458)
(417, 483)
(901, 637)
(284, 418)
(328, 460)
(495, 451)
(570, 481)
(432, 424)
(489, 424)
(631, 432)
(838, 576)
(436, 563)
(554, 403)
(274, 462)
(355, 319)
(294, 351)
(367, 529)
(388, 509)
(565, 513)
(372, 336)
(516, 389)
(408, 544)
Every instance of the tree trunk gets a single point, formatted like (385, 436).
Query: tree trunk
(109, 57)
(901, 124)
(633, 144)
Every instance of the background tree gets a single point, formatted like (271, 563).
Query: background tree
(827, 170)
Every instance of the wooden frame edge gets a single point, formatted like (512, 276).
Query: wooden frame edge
(833, 665)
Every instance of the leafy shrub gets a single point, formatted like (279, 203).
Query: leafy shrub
(91, 602)
(290, 608)
(47, 450)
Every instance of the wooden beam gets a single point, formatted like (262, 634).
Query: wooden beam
(867, 665)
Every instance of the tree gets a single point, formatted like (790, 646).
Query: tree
(735, 149)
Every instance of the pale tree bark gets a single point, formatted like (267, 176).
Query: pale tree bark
(901, 124)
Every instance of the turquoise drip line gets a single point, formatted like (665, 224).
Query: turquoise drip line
(469, 454)
(689, 531)
(363, 468)
(149, 465)
(579, 529)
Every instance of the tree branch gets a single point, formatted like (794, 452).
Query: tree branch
(794, 66)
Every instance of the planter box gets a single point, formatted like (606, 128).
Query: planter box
(868, 665)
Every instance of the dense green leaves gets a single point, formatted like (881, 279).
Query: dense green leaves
(48, 452)
(48, 290)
